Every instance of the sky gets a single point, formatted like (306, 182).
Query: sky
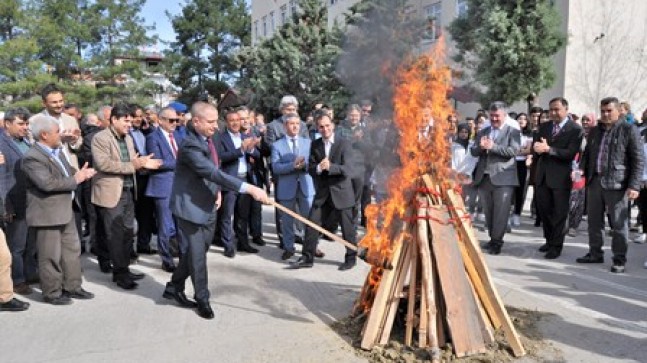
(153, 13)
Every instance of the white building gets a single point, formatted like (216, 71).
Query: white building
(606, 54)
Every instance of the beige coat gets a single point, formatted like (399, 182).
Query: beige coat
(107, 185)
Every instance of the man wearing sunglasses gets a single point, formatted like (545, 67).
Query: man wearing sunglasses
(164, 143)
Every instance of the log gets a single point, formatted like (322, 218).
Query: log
(396, 293)
(428, 311)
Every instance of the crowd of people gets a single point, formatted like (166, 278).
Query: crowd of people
(106, 183)
(577, 166)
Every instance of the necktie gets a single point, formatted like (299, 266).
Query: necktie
(555, 130)
(294, 146)
(212, 150)
(173, 146)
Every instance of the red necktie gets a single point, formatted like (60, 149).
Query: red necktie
(173, 146)
(212, 149)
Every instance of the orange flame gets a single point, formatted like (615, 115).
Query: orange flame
(421, 88)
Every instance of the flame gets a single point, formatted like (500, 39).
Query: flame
(421, 86)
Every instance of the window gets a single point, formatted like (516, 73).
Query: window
(265, 26)
(461, 7)
(293, 7)
(284, 14)
(434, 15)
(333, 2)
(272, 27)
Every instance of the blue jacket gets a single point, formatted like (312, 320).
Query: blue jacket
(160, 181)
(288, 178)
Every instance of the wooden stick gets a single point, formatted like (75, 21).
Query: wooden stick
(396, 292)
(411, 306)
(427, 298)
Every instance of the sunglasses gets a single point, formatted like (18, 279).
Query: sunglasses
(172, 120)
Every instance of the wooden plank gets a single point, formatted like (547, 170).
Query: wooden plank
(396, 292)
(411, 303)
(495, 308)
(462, 312)
(426, 332)
(486, 325)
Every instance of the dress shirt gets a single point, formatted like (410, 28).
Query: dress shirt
(243, 186)
(238, 142)
(168, 140)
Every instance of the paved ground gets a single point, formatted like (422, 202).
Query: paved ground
(265, 313)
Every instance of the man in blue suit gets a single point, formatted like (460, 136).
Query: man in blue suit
(194, 201)
(236, 150)
(294, 185)
(163, 143)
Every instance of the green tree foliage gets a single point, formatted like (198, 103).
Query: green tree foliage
(299, 60)
(507, 46)
(208, 33)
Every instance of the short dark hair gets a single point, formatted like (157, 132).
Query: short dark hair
(230, 111)
(609, 100)
(536, 109)
(70, 106)
(243, 108)
(561, 100)
(317, 115)
(497, 105)
(120, 110)
(48, 90)
(19, 112)
(134, 107)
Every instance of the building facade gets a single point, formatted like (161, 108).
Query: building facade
(606, 54)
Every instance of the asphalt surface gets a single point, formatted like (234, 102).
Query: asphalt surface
(267, 313)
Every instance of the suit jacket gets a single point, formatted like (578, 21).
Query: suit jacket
(230, 155)
(49, 191)
(554, 167)
(336, 182)
(289, 179)
(499, 162)
(276, 130)
(160, 181)
(197, 181)
(108, 183)
(14, 192)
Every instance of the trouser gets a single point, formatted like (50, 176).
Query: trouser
(118, 226)
(496, 207)
(552, 207)
(6, 285)
(58, 258)
(256, 219)
(614, 203)
(358, 189)
(144, 213)
(304, 204)
(241, 218)
(520, 191)
(324, 212)
(91, 215)
(194, 263)
(642, 208)
(165, 229)
(22, 245)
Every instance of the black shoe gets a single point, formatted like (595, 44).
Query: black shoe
(486, 245)
(590, 259)
(319, 254)
(347, 265)
(298, 240)
(618, 268)
(287, 255)
(259, 241)
(302, 262)
(80, 294)
(229, 253)
(552, 254)
(133, 255)
(495, 249)
(135, 275)
(544, 248)
(14, 305)
(204, 310)
(179, 297)
(105, 266)
(146, 250)
(126, 283)
(247, 248)
(168, 267)
(59, 300)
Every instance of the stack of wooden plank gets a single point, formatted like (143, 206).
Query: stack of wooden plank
(440, 271)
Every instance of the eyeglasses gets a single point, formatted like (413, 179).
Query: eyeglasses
(171, 120)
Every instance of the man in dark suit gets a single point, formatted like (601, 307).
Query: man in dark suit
(194, 201)
(330, 163)
(555, 146)
(13, 145)
(236, 150)
(163, 143)
(51, 182)
(496, 172)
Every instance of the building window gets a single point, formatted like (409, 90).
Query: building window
(461, 7)
(272, 25)
(333, 2)
(284, 14)
(434, 16)
(265, 26)
(293, 7)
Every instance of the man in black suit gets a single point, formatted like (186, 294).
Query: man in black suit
(555, 146)
(194, 201)
(330, 164)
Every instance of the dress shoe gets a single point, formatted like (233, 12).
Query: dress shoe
(229, 253)
(179, 297)
(590, 259)
(544, 248)
(552, 254)
(319, 253)
(287, 255)
(259, 241)
(135, 275)
(146, 250)
(58, 300)
(302, 262)
(347, 265)
(22, 289)
(14, 305)
(298, 240)
(204, 310)
(618, 268)
(247, 248)
(495, 249)
(486, 245)
(168, 267)
(33, 280)
(126, 283)
(105, 266)
(80, 294)
(133, 255)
